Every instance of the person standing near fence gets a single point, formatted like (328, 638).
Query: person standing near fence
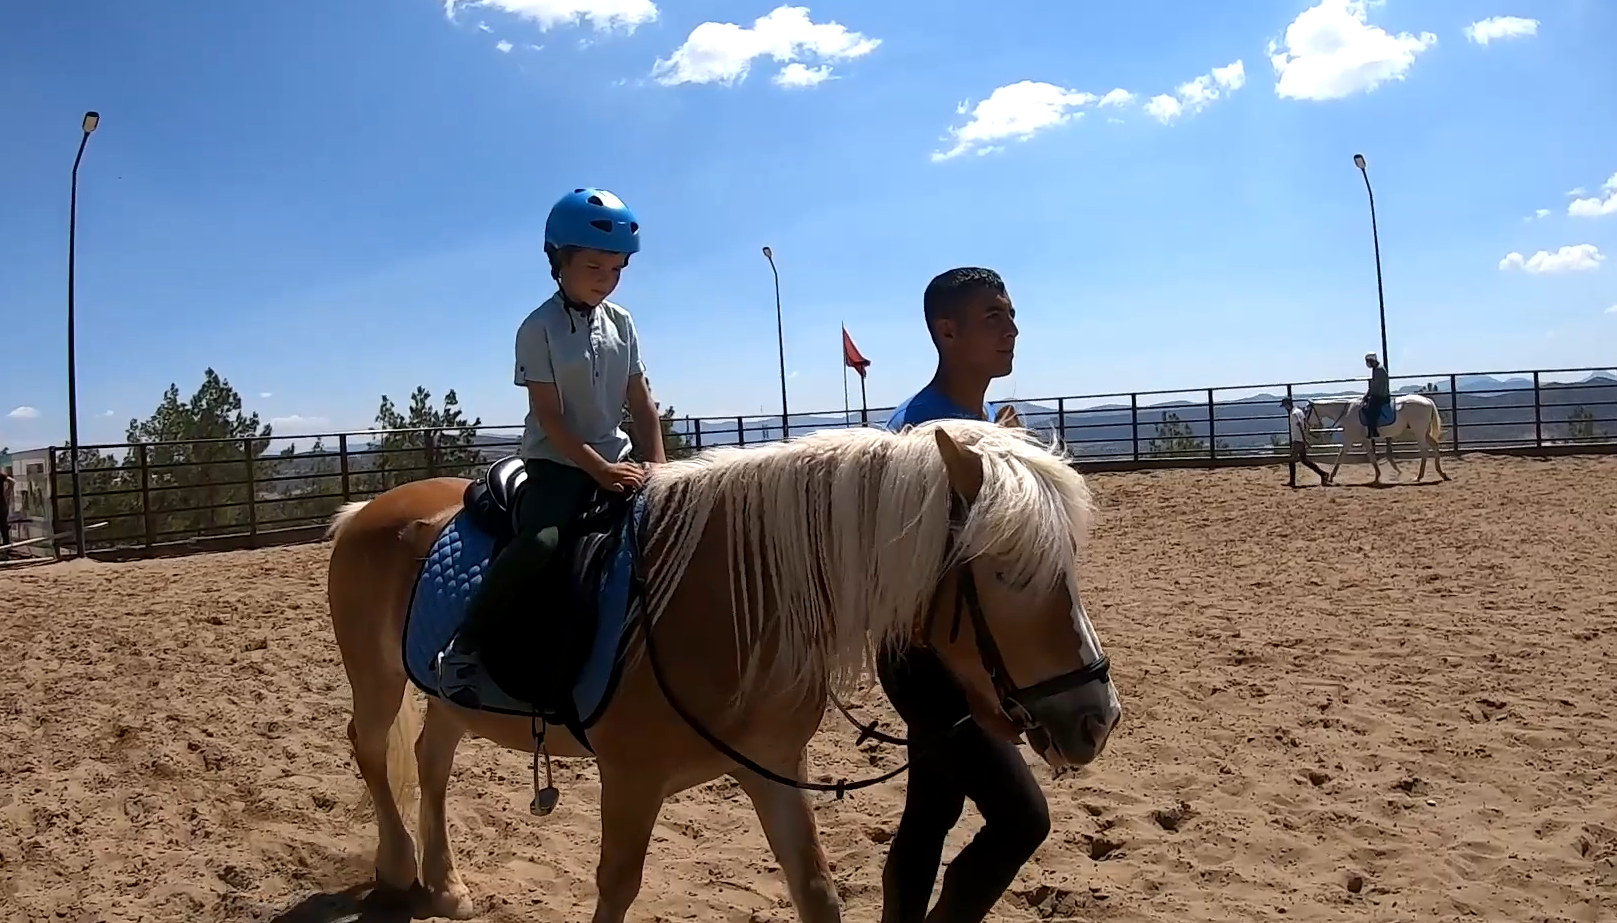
(8, 491)
(952, 757)
(1297, 426)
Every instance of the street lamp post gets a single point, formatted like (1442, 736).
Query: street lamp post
(780, 342)
(1375, 239)
(91, 119)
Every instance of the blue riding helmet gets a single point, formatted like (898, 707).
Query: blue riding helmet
(593, 219)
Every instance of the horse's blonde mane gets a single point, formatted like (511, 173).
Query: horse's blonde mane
(849, 527)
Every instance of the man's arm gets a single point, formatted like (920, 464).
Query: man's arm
(644, 420)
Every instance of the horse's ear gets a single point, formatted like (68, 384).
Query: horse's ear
(1007, 416)
(965, 467)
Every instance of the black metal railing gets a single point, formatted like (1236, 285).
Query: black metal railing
(147, 495)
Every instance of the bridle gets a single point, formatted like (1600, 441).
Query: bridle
(1013, 699)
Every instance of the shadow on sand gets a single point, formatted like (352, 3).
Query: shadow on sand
(358, 904)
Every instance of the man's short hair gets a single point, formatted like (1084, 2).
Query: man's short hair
(948, 291)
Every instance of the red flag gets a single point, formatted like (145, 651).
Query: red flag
(851, 357)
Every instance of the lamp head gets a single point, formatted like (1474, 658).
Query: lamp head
(91, 120)
(1358, 161)
(769, 254)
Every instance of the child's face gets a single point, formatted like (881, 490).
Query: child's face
(589, 276)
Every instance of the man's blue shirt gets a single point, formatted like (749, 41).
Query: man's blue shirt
(930, 403)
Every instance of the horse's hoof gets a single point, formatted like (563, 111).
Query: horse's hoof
(454, 903)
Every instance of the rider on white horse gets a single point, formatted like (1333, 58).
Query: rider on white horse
(1377, 397)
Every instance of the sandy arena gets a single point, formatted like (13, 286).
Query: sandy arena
(1347, 704)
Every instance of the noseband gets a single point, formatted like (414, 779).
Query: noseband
(1013, 699)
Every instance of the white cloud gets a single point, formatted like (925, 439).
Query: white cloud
(266, 394)
(1332, 52)
(1015, 112)
(799, 75)
(1117, 97)
(503, 46)
(1595, 207)
(1538, 215)
(1571, 258)
(481, 27)
(297, 423)
(106, 413)
(1612, 309)
(24, 413)
(602, 15)
(723, 52)
(1484, 31)
(1195, 95)
(1575, 191)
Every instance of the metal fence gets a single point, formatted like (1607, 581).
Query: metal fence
(151, 495)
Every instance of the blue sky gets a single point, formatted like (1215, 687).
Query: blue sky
(328, 201)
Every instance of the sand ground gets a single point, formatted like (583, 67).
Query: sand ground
(1345, 704)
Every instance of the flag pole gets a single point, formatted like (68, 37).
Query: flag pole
(848, 414)
(864, 409)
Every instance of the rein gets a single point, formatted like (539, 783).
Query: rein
(1013, 699)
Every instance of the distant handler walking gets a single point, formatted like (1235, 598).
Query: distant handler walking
(1299, 443)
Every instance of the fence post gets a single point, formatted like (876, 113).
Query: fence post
(148, 521)
(430, 440)
(741, 431)
(1061, 419)
(56, 512)
(694, 424)
(1454, 412)
(342, 463)
(1134, 425)
(252, 490)
(1538, 415)
(1212, 428)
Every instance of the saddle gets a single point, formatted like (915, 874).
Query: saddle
(1387, 416)
(538, 654)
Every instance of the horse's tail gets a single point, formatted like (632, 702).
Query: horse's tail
(1434, 427)
(343, 515)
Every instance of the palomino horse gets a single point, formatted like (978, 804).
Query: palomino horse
(1416, 417)
(768, 573)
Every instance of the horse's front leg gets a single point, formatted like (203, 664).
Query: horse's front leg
(1370, 453)
(1340, 454)
(1392, 458)
(788, 822)
(630, 802)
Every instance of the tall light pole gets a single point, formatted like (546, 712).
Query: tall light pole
(780, 342)
(91, 119)
(1375, 239)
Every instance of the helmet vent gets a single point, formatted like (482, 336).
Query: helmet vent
(596, 201)
(603, 226)
(634, 227)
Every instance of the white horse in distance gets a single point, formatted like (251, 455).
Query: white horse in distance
(1417, 419)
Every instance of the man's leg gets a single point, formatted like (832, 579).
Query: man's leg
(1302, 453)
(1291, 462)
(1016, 819)
(932, 806)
